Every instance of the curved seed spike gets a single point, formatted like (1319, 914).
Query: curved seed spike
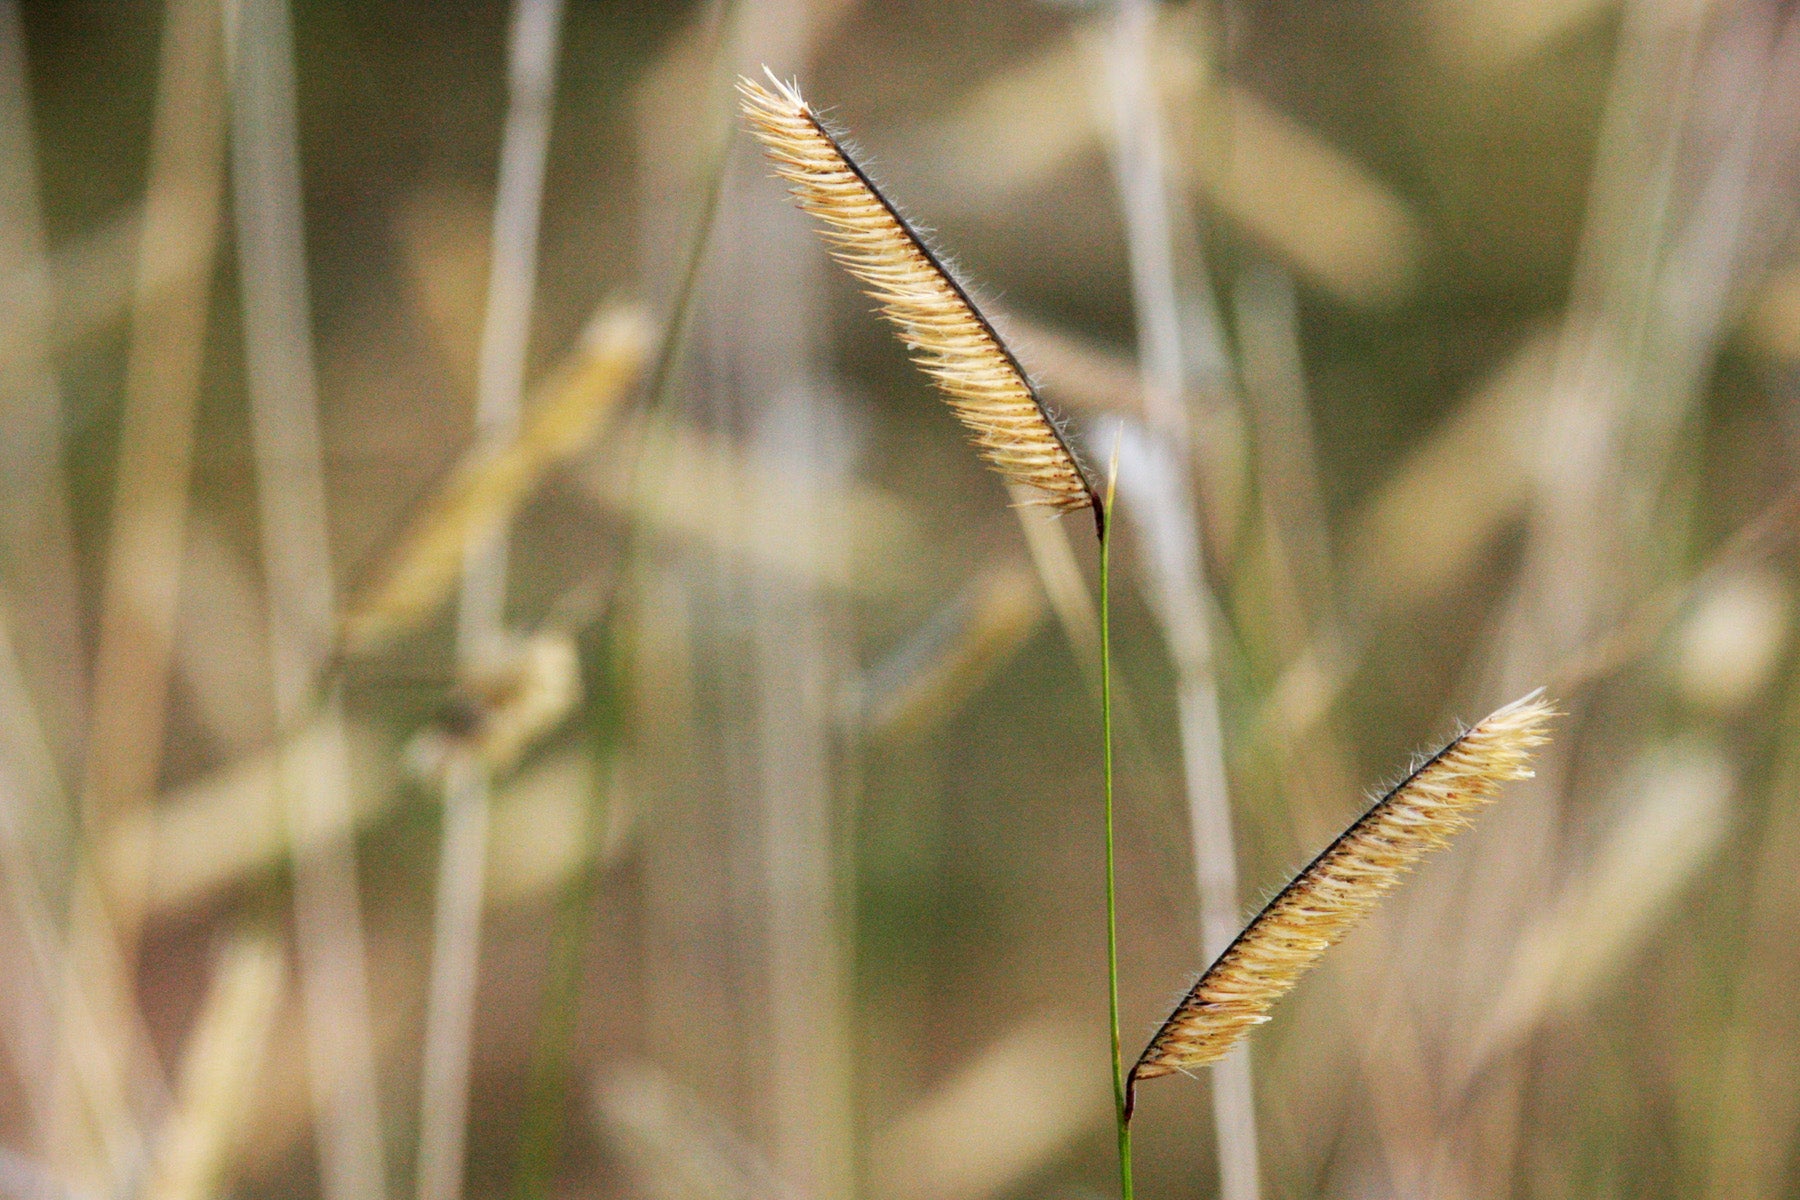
(1339, 887)
(946, 334)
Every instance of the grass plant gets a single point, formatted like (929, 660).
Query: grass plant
(981, 379)
(989, 392)
(790, 883)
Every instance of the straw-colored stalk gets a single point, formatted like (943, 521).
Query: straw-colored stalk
(36, 527)
(1326, 214)
(293, 520)
(658, 474)
(141, 585)
(233, 822)
(948, 336)
(220, 1065)
(446, 1058)
(1053, 558)
(487, 488)
(1673, 819)
(1339, 887)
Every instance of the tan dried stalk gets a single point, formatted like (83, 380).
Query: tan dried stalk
(948, 336)
(221, 1066)
(1339, 887)
(495, 477)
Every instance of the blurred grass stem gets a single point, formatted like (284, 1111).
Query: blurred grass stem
(51, 1018)
(294, 526)
(1661, 253)
(1170, 349)
(547, 1071)
(36, 525)
(141, 577)
(162, 385)
(221, 1063)
(456, 934)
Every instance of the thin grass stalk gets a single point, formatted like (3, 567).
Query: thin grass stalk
(1121, 1099)
(1670, 819)
(680, 164)
(675, 1145)
(933, 675)
(932, 312)
(808, 966)
(450, 995)
(691, 249)
(1265, 311)
(496, 475)
(1756, 1107)
(1719, 175)
(1142, 185)
(92, 277)
(524, 151)
(1173, 531)
(141, 580)
(47, 993)
(35, 524)
(27, 1020)
(1053, 559)
(110, 1066)
(294, 527)
(1164, 518)
(456, 934)
(1572, 559)
(1000, 1118)
(547, 1070)
(162, 381)
(677, 324)
(808, 947)
(220, 1064)
(682, 202)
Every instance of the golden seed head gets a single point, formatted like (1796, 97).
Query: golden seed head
(1339, 887)
(947, 335)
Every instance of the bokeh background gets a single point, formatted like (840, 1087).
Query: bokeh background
(512, 686)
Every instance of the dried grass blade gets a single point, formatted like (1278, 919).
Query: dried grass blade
(496, 477)
(220, 1066)
(1339, 887)
(948, 336)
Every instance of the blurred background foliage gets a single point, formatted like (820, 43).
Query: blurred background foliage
(737, 832)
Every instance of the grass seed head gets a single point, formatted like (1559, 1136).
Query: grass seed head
(932, 313)
(1339, 887)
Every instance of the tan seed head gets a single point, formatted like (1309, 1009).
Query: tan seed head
(949, 338)
(1339, 887)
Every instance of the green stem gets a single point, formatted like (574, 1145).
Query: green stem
(547, 1074)
(1112, 894)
